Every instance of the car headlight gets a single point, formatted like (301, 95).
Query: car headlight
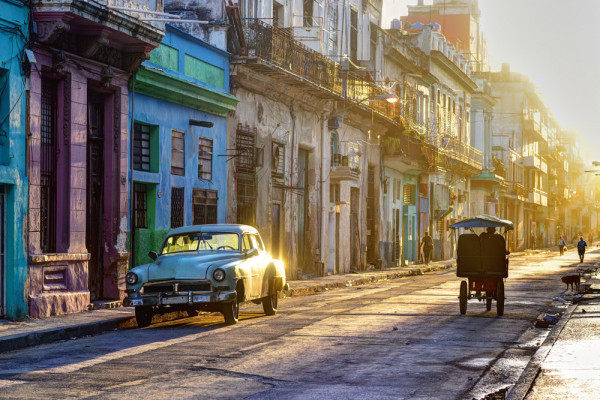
(219, 274)
(131, 278)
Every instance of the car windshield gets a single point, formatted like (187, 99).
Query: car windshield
(201, 241)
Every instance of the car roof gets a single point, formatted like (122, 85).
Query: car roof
(233, 228)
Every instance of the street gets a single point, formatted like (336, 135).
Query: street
(402, 338)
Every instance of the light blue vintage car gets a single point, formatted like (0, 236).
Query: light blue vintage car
(206, 267)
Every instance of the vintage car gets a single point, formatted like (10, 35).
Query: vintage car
(206, 267)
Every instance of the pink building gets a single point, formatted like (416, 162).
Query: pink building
(78, 147)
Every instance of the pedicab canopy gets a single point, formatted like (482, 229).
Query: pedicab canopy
(483, 221)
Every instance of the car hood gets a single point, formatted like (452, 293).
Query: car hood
(187, 266)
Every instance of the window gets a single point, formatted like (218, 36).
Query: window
(308, 13)
(176, 207)
(204, 203)
(48, 186)
(246, 243)
(257, 243)
(177, 153)
(277, 159)
(334, 193)
(278, 15)
(336, 157)
(354, 35)
(409, 194)
(140, 201)
(141, 147)
(205, 153)
(373, 48)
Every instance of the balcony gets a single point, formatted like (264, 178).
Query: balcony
(345, 163)
(96, 31)
(454, 154)
(535, 161)
(403, 153)
(517, 189)
(538, 197)
(276, 52)
(534, 127)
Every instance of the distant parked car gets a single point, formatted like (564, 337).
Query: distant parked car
(206, 267)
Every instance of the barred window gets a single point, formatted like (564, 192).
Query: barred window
(205, 153)
(205, 206)
(141, 147)
(140, 212)
(176, 207)
(48, 184)
(177, 153)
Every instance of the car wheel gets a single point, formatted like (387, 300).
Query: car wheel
(143, 316)
(270, 304)
(231, 311)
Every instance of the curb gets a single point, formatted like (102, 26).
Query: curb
(370, 278)
(19, 341)
(525, 382)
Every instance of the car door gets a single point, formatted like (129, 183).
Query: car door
(252, 287)
(261, 263)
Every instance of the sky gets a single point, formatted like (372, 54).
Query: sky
(555, 43)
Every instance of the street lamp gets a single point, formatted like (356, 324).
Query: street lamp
(389, 97)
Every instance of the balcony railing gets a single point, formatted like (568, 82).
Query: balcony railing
(532, 125)
(454, 150)
(538, 197)
(279, 48)
(518, 189)
(535, 161)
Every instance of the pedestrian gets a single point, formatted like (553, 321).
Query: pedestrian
(561, 245)
(427, 247)
(581, 245)
(533, 240)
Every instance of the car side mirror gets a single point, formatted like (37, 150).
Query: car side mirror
(153, 255)
(251, 253)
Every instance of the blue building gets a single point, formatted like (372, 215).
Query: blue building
(14, 31)
(181, 100)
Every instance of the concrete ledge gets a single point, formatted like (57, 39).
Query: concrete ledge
(58, 257)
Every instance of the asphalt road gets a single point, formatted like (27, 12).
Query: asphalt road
(400, 339)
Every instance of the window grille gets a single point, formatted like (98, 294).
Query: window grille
(176, 207)
(245, 143)
(48, 166)
(141, 147)
(205, 153)
(205, 206)
(141, 206)
(177, 153)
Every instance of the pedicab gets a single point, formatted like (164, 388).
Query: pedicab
(483, 260)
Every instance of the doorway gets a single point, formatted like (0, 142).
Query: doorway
(302, 189)
(275, 229)
(95, 194)
(354, 234)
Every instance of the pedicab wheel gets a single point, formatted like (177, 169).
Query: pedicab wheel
(500, 298)
(463, 297)
(488, 302)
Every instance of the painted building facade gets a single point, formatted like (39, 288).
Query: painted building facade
(181, 101)
(14, 34)
(78, 204)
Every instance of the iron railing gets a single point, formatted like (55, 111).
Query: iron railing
(278, 47)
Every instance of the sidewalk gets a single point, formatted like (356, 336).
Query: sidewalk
(567, 364)
(20, 334)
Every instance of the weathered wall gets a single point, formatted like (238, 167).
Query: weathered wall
(13, 178)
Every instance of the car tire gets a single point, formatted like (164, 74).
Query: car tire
(143, 316)
(270, 304)
(231, 311)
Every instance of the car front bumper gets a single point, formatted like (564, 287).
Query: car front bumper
(181, 298)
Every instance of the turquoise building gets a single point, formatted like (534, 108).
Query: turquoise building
(14, 33)
(181, 100)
